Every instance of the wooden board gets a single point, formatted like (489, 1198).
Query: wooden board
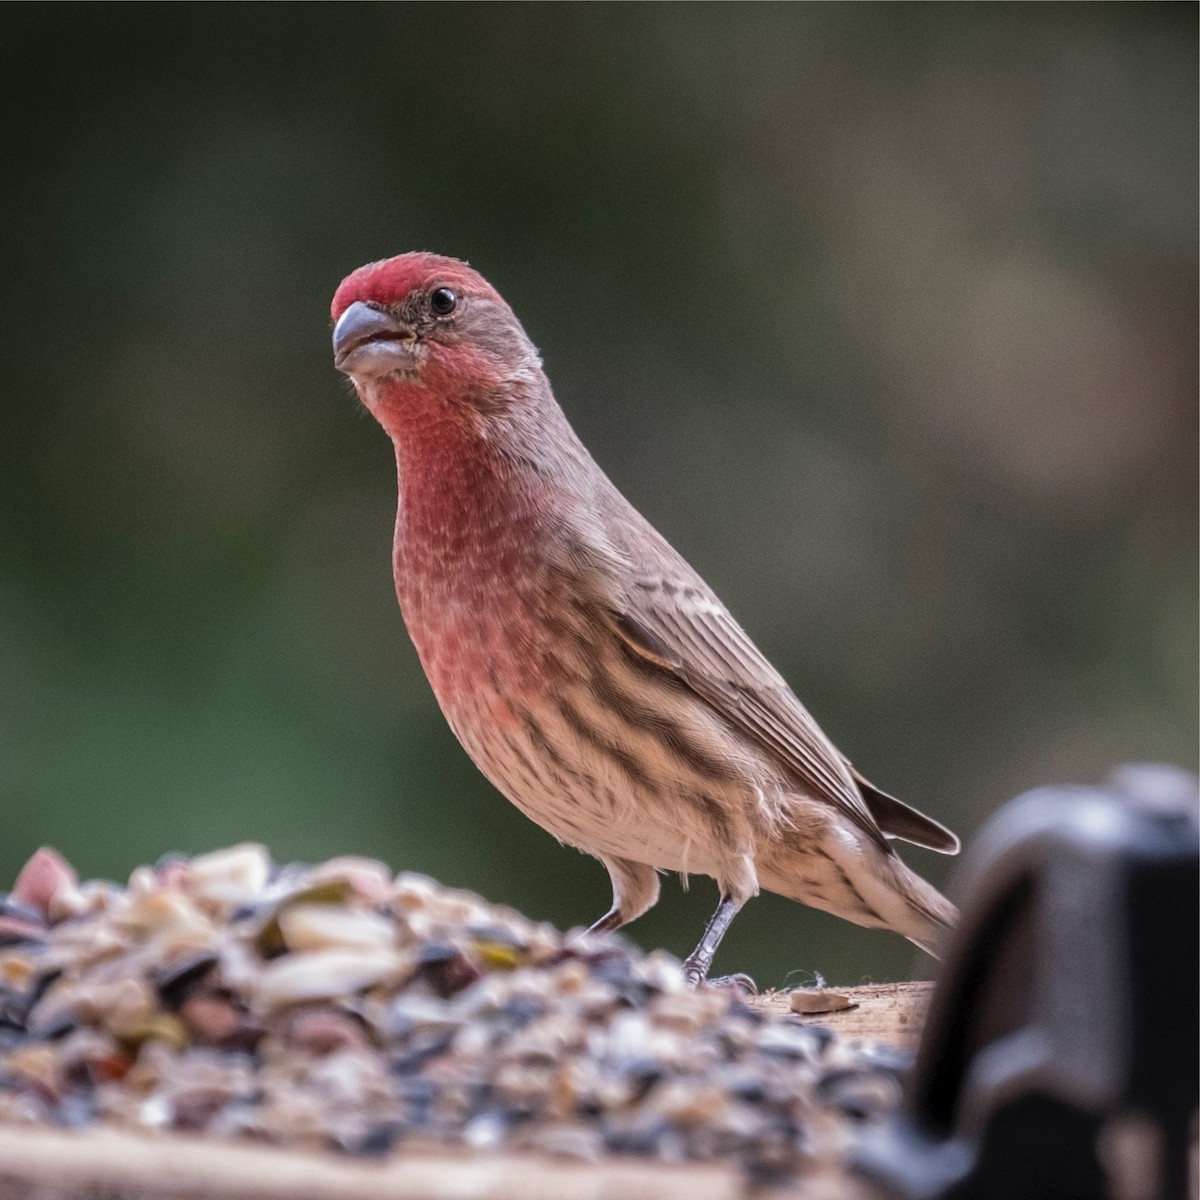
(111, 1164)
(893, 1013)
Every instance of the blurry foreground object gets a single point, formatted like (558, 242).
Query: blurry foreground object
(340, 1012)
(1059, 1058)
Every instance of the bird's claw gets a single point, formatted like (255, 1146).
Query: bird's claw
(695, 976)
(743, 983)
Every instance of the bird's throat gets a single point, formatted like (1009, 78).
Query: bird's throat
(465, 555)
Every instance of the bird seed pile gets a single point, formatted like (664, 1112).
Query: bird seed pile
(340, 1006)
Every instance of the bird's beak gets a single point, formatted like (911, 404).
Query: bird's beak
(370, 341)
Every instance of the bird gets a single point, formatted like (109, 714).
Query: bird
(591, 674)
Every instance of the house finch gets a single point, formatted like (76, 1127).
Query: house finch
(591, 674)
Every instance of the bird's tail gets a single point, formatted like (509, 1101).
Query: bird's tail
(873, 887)
(930, 916)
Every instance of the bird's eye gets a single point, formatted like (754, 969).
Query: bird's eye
(443, 301)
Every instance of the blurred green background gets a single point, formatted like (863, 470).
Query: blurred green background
(885, 314)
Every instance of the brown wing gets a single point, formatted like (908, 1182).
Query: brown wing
(901, 820)
(684, 629)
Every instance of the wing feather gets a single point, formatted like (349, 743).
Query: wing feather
(681, 627)
(668, 616)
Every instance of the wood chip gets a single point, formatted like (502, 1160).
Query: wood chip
(818, 1000)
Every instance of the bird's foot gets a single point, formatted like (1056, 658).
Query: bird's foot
(743, 983)
(696, 974)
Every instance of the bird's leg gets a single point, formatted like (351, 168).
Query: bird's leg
(635, 889)
(697, 964)
(610, 921)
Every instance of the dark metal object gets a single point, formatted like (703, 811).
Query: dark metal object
(1059, 1060)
